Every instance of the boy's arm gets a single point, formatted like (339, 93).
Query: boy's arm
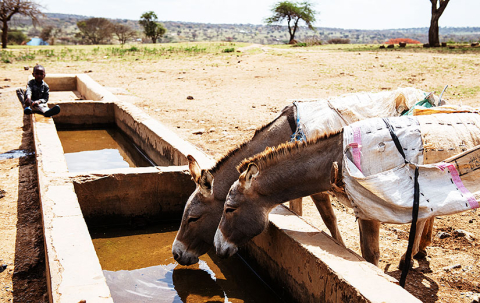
(28, 94)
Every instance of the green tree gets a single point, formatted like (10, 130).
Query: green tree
(16, 36)
(9, 8)
(95, 30)
(292, 13)
(152, 29)
(438, 6)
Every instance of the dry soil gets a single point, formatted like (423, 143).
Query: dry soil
(216, 101)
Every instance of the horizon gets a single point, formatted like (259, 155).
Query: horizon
(339, 14)
(400, 28)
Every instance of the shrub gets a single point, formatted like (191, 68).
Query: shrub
(339, 41)
(228, 50)
(16, 37)
(300, 44)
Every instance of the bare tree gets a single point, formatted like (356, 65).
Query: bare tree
(96, 30)
(123, 32)
(9, 8)
(50, 34)
(438, 6)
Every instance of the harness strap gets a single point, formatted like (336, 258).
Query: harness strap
(416, 204)
(413, 228)
(395, 138)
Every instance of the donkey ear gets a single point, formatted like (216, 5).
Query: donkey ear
(206, 182)
(250, 173)
(194, 168)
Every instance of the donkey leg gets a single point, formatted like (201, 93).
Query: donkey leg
(296, 206)
(322, 202)
(416, 242)
(426, 239)
(369, 240)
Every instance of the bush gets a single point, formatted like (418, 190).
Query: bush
(228, 50)
(312, 41)
(16, 37)
(300, 44)
(339, 41)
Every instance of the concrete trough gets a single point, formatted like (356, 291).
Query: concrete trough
(305, 263)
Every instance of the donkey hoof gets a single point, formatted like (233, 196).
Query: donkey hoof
(421, 254)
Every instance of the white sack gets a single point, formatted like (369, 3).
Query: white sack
(318, 117)
(381, 186)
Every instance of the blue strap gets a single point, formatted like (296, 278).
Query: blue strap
(298, 135)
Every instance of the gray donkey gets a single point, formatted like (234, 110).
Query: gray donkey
(204, 208)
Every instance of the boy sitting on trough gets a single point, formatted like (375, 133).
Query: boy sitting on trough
(35, 97)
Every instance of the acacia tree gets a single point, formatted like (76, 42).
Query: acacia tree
(152, 29)
(438, 6)
(9, 8)
(50, 33)
(96, 30)
(292, 13)
(123, 32)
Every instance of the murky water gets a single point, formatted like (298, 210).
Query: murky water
(88, 150)
(139, 267)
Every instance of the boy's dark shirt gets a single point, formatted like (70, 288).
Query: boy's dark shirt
(38, 92)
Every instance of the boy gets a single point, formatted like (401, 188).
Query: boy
(35, 98)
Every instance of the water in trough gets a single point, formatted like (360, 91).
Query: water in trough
(139, 267)
(90, 150)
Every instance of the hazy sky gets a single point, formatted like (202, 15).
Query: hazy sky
(349, 14)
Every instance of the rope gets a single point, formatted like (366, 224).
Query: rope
(298, 135)
(337, 111)
(416, 203)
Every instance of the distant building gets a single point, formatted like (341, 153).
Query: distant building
(36, 42)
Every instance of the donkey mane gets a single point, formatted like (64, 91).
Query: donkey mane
(234, 150)
(272, 155)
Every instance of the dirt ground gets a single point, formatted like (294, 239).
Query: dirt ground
(216, 101)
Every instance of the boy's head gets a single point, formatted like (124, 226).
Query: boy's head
(38, 73)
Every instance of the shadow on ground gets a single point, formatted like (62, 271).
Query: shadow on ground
(29, 281)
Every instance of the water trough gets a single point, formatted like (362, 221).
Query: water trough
(305, 264)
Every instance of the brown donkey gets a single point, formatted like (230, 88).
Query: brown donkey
(294, 170)
(204, 207)
(278, 175)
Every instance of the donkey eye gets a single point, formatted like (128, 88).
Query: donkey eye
(230, 210)
(192, 219)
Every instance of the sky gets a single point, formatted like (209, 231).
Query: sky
(347, 14)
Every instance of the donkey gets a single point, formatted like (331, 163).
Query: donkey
(286, 172)
(204, 207)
